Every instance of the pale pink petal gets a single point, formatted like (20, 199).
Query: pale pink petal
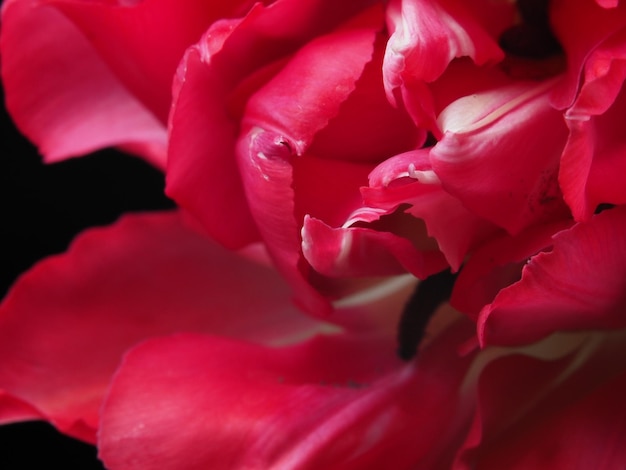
(329, 403)
(579, 284)
(427, 35)
(66, 323)
(608, 3)
(62, 95)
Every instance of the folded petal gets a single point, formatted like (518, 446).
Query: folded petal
(61, 93)
(280, 121)
(267, 174)
(579, 284)
(581, 26)
(202, 169)
(500, 154)
(594, 157)
(427, 35)
(409, 179)
(333, 402)
(498, 263)
(361, 251)
(67, 322)
(546, 409)
(309, 90)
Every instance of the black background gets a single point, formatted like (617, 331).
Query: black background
(42, 207)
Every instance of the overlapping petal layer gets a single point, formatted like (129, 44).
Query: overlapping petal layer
(332, 402)
(578, 284)
(67, 322)
(202, 171)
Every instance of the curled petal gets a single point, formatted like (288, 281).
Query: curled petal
(427, 35)
(309, 90)
(359, 251)
(594, 157)
(409, 179)
(500, 154)
(202, 169)
(574, 23)
(61, 93)
(498, 263)
(67, 322)
(541, 409)
(267, 173)
(577, 285)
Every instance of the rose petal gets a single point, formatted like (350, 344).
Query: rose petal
(202, 170)
(267, 174)
(341, 182)
(586, 434)
(409, 179)
(593, 161)
(551, 412)
(13, 409)
(497, 264)
(576, 26)
(577, 285)
(278, 128)
(62, 95)
(329, 403)
(427, 35)
(506, 388)
(367, 127)
(358, 251)
(67, 322)
(302, 98)
(501, 165)
(153, 36)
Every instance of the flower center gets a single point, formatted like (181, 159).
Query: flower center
(423, 303)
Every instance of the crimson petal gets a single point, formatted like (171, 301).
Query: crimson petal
(333, 402)
(66, 323)
(202, 168)
(577, 285)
